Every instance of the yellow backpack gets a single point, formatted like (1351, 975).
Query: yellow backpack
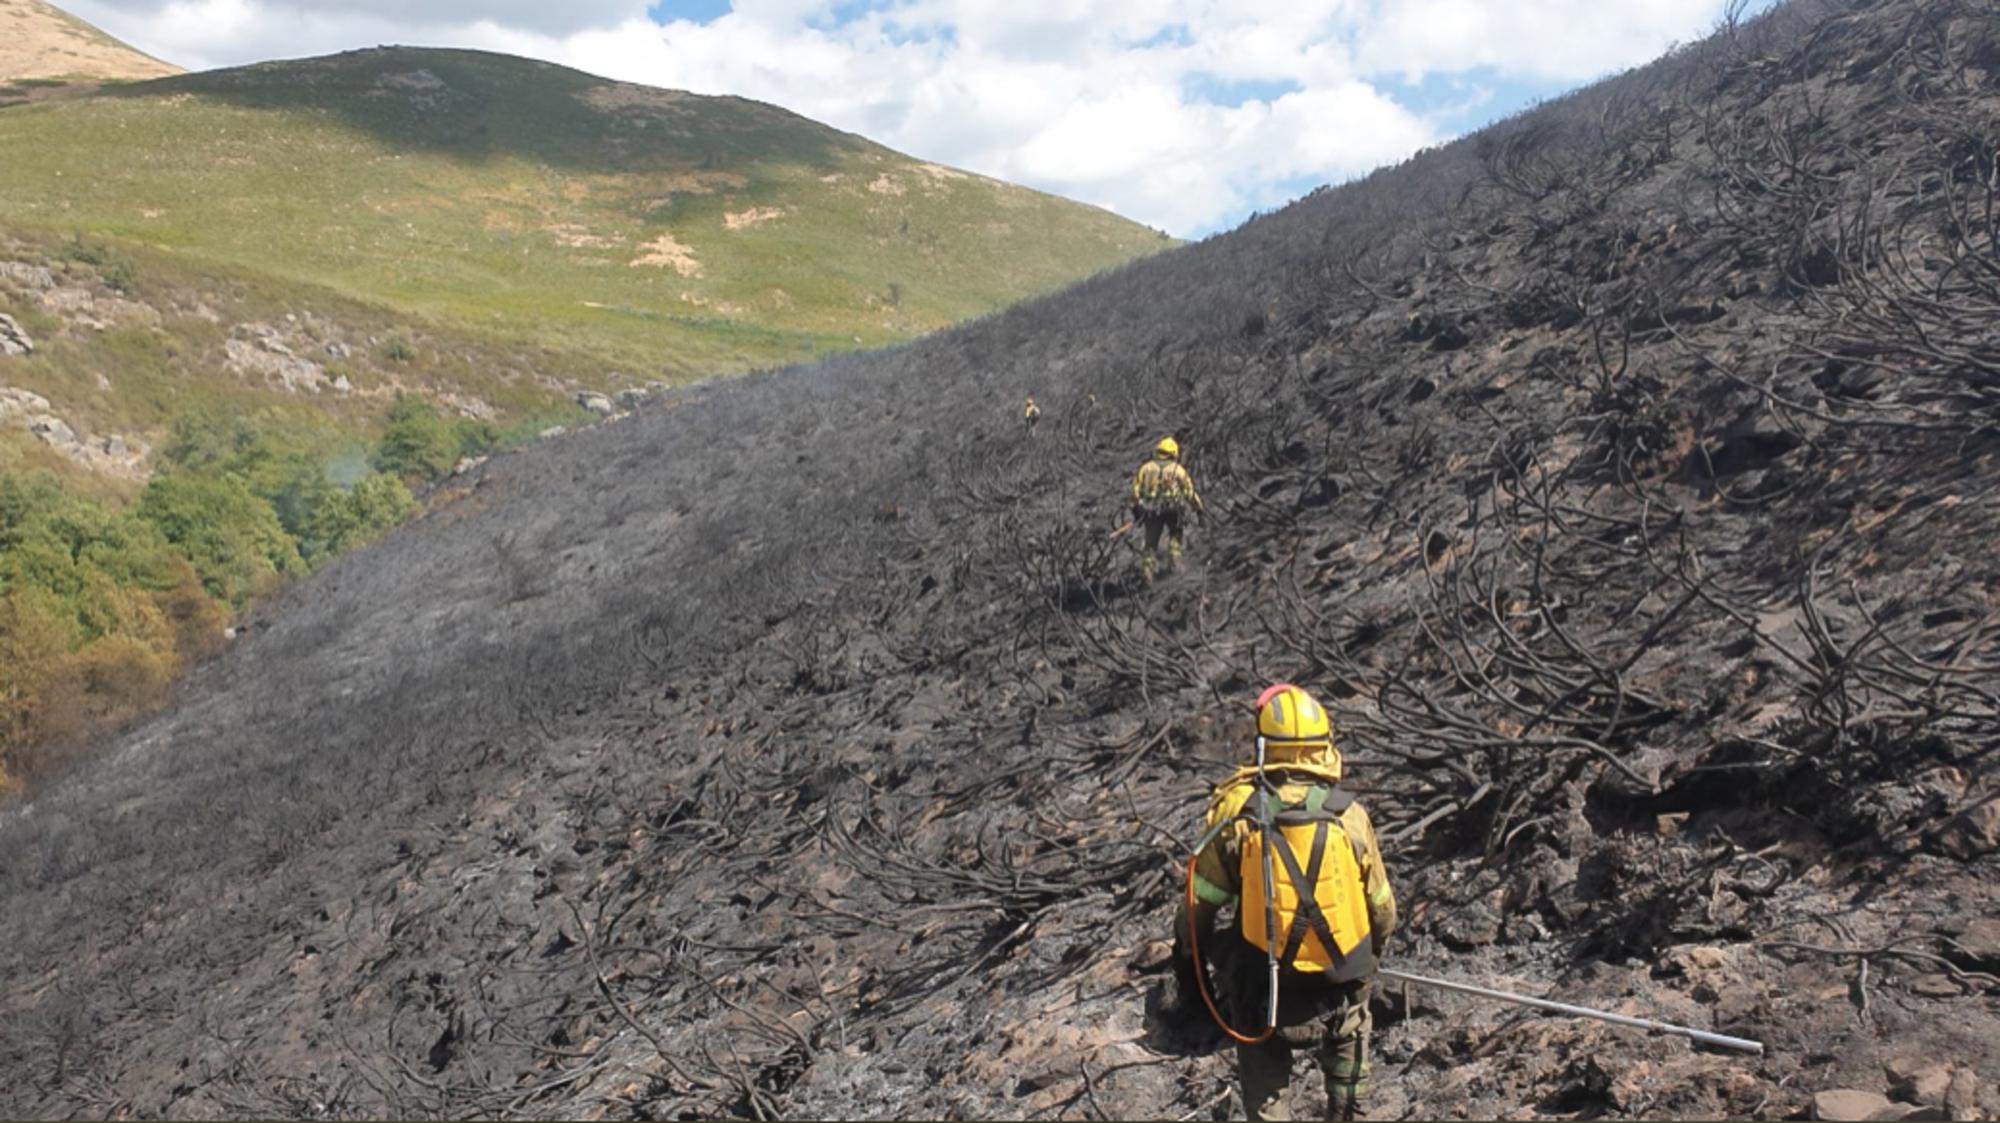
(1323, 929)
(1161, 484)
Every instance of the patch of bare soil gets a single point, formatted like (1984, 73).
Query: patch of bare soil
(664, 252)
(39, 40)
(1623, 477)
(737, 220)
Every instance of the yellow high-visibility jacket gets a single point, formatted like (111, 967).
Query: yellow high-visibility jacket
(1163, 485)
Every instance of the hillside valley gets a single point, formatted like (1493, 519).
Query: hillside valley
(252, 317)
(1623, 477)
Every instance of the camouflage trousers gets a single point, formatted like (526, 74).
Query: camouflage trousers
(1330, 1021)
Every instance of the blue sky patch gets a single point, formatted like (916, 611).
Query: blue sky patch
(694, 11)
(1468, 100)
(842, 12)
(1172, 35)
(1204, 87)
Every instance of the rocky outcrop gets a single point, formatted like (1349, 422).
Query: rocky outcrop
(26, 275)
(81, 307)
(113, 454)
(17, 404)
(595, 402)
(54, 431)
(259, 351)
(14, 338)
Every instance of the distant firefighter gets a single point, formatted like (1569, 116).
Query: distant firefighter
(1295, 856)
(1162, 496)
(1030, 414)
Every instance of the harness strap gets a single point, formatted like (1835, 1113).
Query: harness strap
(1307, 908)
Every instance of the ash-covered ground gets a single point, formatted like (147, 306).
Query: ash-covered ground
(1623, 477)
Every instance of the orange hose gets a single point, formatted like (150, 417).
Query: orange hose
(1201, 970)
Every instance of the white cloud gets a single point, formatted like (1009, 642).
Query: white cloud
(1561, 39)
(1111, 103)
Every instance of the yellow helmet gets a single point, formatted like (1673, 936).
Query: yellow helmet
(1168, 449)
(1288, 716)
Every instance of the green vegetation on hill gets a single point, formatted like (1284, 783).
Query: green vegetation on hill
(117, 570)
(102, 603)
(671, 234)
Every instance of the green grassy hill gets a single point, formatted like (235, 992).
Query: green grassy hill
(671, 234)
(243, 312)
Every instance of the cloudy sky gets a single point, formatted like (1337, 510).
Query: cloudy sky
(1187, 115)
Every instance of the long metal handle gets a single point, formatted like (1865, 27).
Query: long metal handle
(1264, 844)
(1718, 1039)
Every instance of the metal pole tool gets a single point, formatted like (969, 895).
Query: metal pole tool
(1717, 1039)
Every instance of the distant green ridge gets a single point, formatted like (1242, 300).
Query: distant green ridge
(674, 234)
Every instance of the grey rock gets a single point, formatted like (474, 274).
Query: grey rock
(1918, 1077)
(339, 350)
(53, 430)
(13, 338)
(15, 402)
(1980, 940)
(1848, 1104)
(265, 355)
(553, 431)
(27, 276)
(595, 402)
(1962, 1098)
(1932, 1085)
(1974, 833)
(70, 303)
(1910, 1113)
(631, 399)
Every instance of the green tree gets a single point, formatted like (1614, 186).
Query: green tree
(347, 519)
(232, 535)
(296, 486)
(205, 439)
(419, 444)
(97, 565)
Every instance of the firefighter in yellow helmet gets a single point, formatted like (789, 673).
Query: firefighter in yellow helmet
(1162, 497)
(1313, 910)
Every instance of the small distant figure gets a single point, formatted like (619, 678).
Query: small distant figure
(1294, 855)
(1162, 496)
(1031, 414)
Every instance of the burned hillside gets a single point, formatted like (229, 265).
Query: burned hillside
(1623, 477)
